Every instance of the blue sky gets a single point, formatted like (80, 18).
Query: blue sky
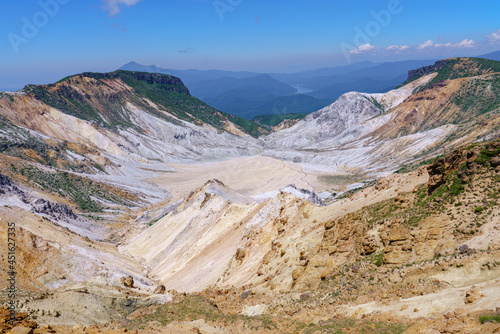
(42, 41)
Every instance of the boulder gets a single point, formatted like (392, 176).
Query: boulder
(246, 294)
(240, 254)
(472, 295)
(495, 162)
(21, 330)
(398, 234)
(160, 289)
(127, 281)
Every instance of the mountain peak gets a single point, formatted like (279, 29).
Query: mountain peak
(455, 68)
(102, 98)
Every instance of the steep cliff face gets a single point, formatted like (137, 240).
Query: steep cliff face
(419, 72)
(454, 68)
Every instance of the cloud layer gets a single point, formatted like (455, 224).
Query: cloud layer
(465, 44)
(426, 46)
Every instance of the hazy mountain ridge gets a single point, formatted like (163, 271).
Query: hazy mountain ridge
(262, 84)
(323, 85)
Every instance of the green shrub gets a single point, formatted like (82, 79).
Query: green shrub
(379, 259)
(479, 209)
(489, 318)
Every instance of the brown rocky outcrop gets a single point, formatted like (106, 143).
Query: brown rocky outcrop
(431, 237)
(21, 322)
(127, 281)
(472, 295)
(442, 167)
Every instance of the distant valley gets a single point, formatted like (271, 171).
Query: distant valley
(248, 94)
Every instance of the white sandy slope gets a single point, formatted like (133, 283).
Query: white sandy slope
(344, 135)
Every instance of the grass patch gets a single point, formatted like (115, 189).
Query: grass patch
(353, 326)
(195, 307)
(273, 120)
(479, 209)
(485, 156)
(379, 259)
(489, 318)
(83, 192)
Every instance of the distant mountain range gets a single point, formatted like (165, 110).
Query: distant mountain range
(492, 56)
(250, 94)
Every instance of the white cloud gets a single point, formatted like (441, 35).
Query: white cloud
(425, 45)
(398, 49)
(363, 49)
(494, 37)
(113, 6)
(465, 44)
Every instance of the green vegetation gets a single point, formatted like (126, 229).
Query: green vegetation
(455, 68)
(273, 120)
(486, 155)
(83, 192)
(379, 259)
(489, 318)
(423, 206)
(453, 187)
(378, 105)
(353, 326)
(471, 103)
(477, 97)
(198, 307)
(103, 109)
(414, 166)
(466, 67)
(479, 209)
(170, 92)
(21, 143)
(446, 196)
(105, 105)
(195, 307)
